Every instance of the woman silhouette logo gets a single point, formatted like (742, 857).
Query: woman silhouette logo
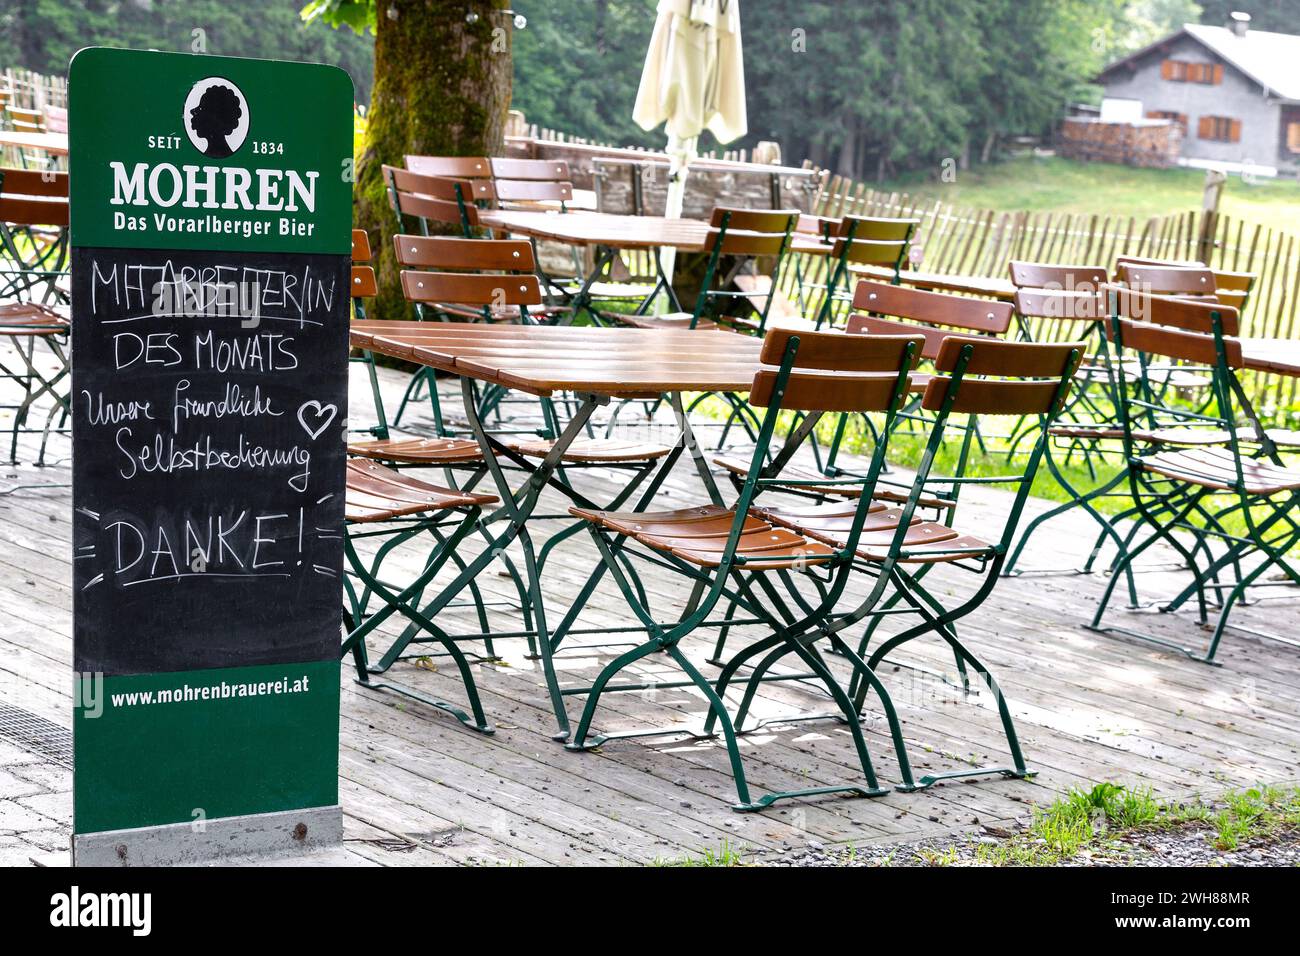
(216, 117)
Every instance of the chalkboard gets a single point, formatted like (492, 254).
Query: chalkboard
(208, 458)
(211, 212)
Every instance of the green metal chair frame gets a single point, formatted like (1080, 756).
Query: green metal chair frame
(1195, 491)
(975, 378)
(870, 374)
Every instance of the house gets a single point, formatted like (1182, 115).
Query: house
(1234, 91)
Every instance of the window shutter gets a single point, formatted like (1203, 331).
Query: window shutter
(1205, 127)
(1167, 70)
(1218, 74)
(1234, 131)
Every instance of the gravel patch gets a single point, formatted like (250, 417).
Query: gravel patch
(1187, 845)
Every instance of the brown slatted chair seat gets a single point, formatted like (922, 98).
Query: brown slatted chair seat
(377, 493)
(27, 318)
(929, 541)
(801, 479)
(1214, 468)
(418, 451)
(834, 517)
(1174, 436)
(1218, 436)
(706, 521)
(592, 450)
(699, 535)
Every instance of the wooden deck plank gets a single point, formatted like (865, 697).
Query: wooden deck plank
(417, 788)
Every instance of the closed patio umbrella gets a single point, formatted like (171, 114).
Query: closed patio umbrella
(693, 80)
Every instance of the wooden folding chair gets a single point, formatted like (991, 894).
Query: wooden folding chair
(884, 309)
(973, 378)
(33, 275)
(429, 199)
(1231, 288)
(736, 554)
(396, 507)
(405, 451)
(862, 241)
(746, 235)
(1200, 490)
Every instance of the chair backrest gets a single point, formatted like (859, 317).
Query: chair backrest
(877, 228)
(1191, 315)
(932, 339)
(1002, 378)
(864, 240)
(30, 198)
(455, 167)
(440, 187)
(832, 372)
(1231, 288)
(532, 190)
(1067, 278)
(1060, 304)
(362, 283)
(933, 308)
(30, 182)
(1167, 280)
(1197, 347)
(539, 170)
(360, 246)
(25, 120)
(750, 232)
(478, 290)
(444, 253)
(432, 198)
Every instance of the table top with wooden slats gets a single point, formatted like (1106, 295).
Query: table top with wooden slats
(581, 228)
(1279, 356)
(546, 359)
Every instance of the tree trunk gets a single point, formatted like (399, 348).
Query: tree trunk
(442, 88)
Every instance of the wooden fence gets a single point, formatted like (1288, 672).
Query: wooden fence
(970, 241)
(34, 91)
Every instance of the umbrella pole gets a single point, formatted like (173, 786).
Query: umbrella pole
(681, 152)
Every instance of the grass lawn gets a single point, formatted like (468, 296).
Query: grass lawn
(1052, 184)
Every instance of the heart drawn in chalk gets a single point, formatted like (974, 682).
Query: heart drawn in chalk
(322, 414)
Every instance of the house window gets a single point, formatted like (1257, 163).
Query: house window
(1293, 137)
(1183, 71)
(1180, 119)
(1220, 129)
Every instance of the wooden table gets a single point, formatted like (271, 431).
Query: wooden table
(541, 360)
(1278, 356)
(596, 365)
(53, 143)
(600, 229)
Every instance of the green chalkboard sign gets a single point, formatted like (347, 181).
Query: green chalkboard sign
(211, 217)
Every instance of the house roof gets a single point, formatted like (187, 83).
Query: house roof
(1270, 59)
